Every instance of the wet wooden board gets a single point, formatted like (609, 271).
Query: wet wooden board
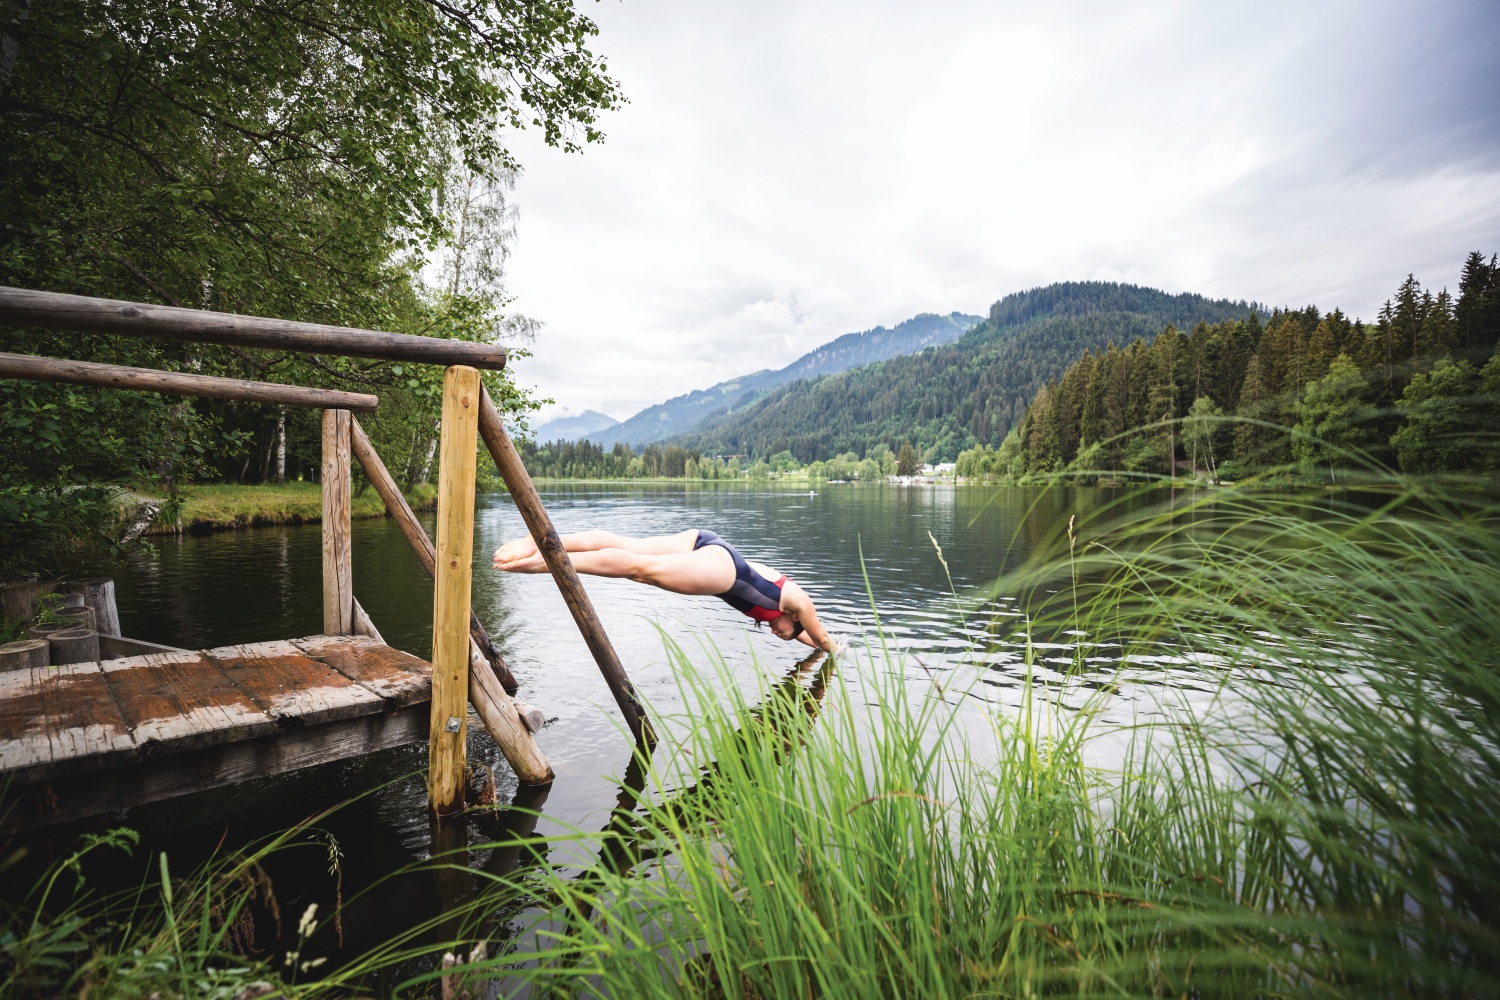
(51, 716)
(141, 728)
(399, 678)
(82, 717)
(182, 701)
(292, 687)
(23, 719)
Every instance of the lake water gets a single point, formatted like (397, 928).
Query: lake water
(259, 584)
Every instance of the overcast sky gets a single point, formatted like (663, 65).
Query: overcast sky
(788, 172)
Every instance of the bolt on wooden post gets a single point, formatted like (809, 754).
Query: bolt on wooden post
(338, 576)
(452, 580)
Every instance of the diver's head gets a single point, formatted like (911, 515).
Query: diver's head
(786, 626)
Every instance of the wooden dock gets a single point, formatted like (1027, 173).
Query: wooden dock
(92, 738)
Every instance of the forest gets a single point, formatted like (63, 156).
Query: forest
(1310, 393)
(951, 397)
(323, 161)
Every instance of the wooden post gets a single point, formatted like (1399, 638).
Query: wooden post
(99, 594)
(25, 653)
(74, 645)
(338, 581)
(452, 580)
(513, 471)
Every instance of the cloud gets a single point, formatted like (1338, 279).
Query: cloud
(788, 172)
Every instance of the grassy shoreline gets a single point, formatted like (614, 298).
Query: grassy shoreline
(231, 506)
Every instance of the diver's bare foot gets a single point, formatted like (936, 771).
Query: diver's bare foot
(514, 551)
(533, 563)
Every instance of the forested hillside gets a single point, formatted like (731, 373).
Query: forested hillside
(1418, 389)
(683, 413)
(951, 397)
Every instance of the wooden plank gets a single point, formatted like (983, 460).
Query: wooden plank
(114, 647)
(451, 588)
(23, 719)
(292, 687)
(338, 573)
(181, 701)
(83, 720)
(38, 369)
(539, 524)
(167, 776)
(58, 311)
(399, 678)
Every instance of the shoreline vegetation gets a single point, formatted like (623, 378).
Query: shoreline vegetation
(209, 507)
(1325, 827)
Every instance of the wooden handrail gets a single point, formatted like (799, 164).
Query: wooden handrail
(539, 524)
(38, 369)
(57, 311)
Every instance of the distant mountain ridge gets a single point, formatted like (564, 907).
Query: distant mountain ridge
(572, 428)
(683, 413)
(959, 394)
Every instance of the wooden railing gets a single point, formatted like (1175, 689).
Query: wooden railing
(466, 667)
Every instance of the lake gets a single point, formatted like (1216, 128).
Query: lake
(264, 583)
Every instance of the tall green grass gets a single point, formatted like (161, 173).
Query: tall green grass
(1334, 832)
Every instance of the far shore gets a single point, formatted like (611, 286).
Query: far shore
(231, 506)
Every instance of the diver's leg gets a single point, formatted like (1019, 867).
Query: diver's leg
(709, 570)
(518, 549)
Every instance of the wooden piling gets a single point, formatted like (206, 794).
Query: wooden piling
(99, 594)
(523, 492)
(452, 581)
(25, 653)
(82, 616)
(74, 645)
(338, 582)
(416, 536)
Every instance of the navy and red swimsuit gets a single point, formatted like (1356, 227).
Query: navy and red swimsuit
(752, 594)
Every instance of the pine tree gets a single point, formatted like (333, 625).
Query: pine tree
(1091, 426)
(1477, 315)
(1436, 338)
(906, 461)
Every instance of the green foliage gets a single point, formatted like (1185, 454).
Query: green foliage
(1333, 419)
(51, 528)
(1452, 419)
(302, 162)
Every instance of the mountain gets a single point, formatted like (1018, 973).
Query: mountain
(586, 424)
(956, 395)
(683, 413)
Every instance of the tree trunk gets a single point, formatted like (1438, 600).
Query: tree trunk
(75, 645)
(426, 468)
(281, 446)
